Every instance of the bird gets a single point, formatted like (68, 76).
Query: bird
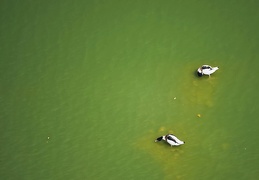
(170, 139)
(207, 70)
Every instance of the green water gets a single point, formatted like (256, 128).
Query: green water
(87, 86)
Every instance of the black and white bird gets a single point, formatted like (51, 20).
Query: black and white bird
(207, 70)
(170, 139)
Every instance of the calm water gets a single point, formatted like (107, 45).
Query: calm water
(87, 86)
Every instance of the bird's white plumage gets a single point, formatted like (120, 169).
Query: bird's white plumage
(207, 70)
(170, 139)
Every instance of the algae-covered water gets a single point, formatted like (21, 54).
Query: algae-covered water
(87, 86)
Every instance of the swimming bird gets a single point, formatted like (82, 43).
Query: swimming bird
(207, 70)
(170, 139)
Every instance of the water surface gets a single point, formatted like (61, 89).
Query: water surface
(87, 86)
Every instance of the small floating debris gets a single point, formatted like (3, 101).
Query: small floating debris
(199, 115)
(174, 98)
(48, 138)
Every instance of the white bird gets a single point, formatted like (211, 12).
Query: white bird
(170, 139)
(207, 70)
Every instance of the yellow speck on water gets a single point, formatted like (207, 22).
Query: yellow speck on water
(225, 146)
(171, 132)
(161, 129)
(48, 137)
(199, 115)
